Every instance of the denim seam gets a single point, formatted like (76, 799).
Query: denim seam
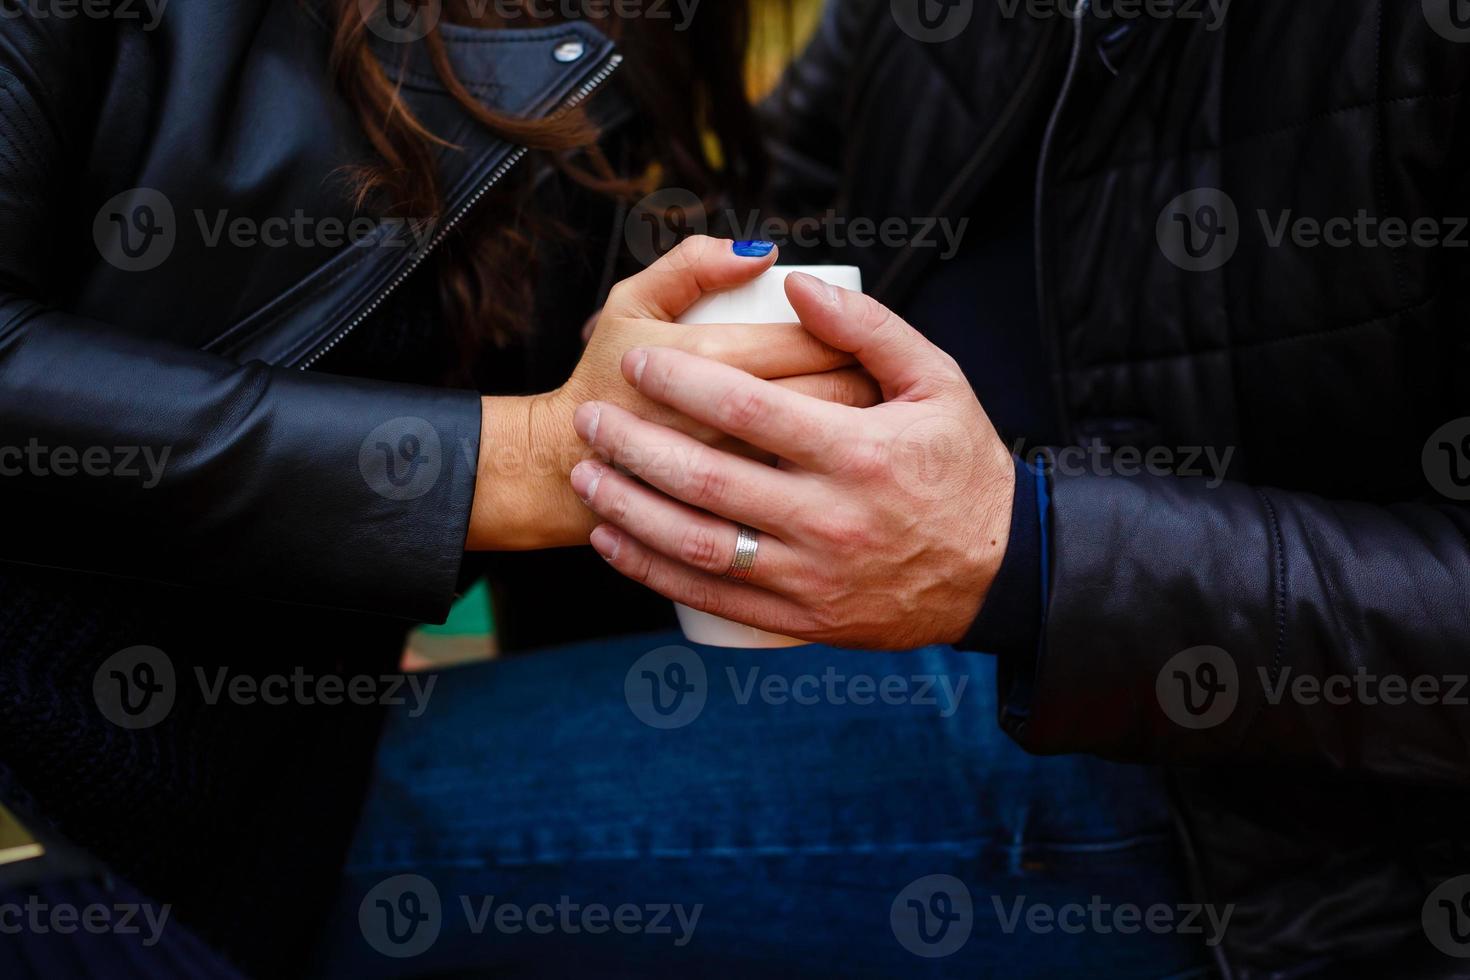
(1000, 847)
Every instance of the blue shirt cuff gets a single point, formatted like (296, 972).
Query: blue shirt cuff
(1009, 624)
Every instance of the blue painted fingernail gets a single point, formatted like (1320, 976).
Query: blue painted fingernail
(754, 250)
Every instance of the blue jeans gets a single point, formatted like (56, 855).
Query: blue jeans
(645, 808)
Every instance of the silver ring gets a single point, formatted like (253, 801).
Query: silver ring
(746, 546)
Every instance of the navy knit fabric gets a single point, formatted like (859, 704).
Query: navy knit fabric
(237, 815)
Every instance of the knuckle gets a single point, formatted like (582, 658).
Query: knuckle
(836, 527)
(686, 254)
(613, 440)
(827, 621)
(740, 409)
(614, 503)
(873, 316)
(699, 548)
(658, 373)
(950, 379)
(831, 589)
(621, 295)
(705, 597)
(705, 481)
(863, 455)
(639, 567)
(701, 344)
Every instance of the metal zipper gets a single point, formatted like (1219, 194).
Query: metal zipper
(503, 168)
(1049, 337)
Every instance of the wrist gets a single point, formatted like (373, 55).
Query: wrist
(1000, 513)
(992, 542)
(1008, 622)
(523, 496)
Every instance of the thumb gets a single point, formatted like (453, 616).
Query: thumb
(894, 353)
(690, 269)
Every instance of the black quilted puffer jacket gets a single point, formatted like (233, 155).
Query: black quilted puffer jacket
(1185, 304)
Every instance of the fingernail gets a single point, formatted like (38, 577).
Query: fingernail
(753, 250)
(585, 478)
(585, 420)
(828, 291)
(606, 541)
(636, 360)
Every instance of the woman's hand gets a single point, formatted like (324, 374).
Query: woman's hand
(883, 528)
(528, 446)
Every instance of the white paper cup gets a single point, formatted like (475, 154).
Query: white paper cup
(762, 300)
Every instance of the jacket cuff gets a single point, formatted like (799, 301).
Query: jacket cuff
(1009, 623)
(392, 481)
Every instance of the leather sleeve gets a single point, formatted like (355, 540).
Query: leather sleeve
(128, 456)
(1147, 571)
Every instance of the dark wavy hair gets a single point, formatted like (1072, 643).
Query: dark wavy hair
(699, 133)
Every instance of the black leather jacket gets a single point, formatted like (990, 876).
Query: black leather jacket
(163, 448)
(1339, 543)
(126, 321)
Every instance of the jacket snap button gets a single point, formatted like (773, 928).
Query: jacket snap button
(569, 51)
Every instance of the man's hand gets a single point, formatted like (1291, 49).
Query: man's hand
(528, 445)
(883, 527)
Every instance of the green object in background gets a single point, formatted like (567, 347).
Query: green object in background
(470, 616)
